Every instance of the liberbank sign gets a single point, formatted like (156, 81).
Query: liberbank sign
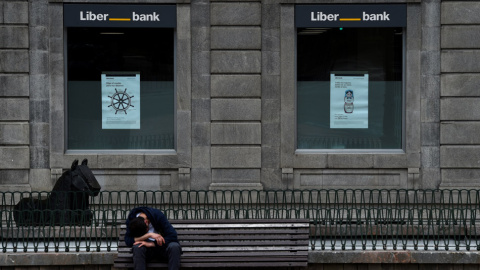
(394, 15)
(160, 16)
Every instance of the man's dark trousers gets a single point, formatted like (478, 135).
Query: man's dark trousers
(143, 254)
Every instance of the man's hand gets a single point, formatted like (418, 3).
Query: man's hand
(158, 238)
(144, 243)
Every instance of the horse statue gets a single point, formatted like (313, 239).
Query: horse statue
(67, 203)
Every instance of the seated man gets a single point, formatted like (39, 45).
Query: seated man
(151, 235)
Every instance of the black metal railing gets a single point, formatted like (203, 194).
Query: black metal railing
(340, 219)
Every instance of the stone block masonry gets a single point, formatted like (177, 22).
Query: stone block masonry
(235, 103)
(459, 112)
(236, 107)
(14, 95)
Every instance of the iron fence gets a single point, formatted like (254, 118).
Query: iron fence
(340, 219)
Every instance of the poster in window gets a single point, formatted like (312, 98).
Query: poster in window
(120, 100)
(349, 99)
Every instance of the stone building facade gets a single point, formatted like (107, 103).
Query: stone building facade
(236, 105)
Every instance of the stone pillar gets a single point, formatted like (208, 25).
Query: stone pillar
(271, 139)
(236, 105)
(430, 95)
(14, 96)
(200, 27)
(40, 178)
(460, 94)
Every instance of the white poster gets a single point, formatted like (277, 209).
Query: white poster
(349, 100)
(120, 100)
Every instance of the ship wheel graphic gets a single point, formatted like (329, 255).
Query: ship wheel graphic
(121, 101)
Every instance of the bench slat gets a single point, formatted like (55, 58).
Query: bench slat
(242, 228)
(225, 264)
(222, 264)
(248, 264)
(237, 221)
(249, 254)
(239, 259)
(233, 248)
(224, 244)
(258, 253)
(238, 237)
(235, 225)
(242, 231)
(290, 242)
(244, 249)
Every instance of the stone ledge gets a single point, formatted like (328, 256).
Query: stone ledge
(394, 256)
(314, 257)
(57, 258)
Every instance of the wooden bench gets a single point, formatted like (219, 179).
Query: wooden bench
(234, 243)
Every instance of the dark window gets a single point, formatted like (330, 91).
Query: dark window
(146, 52)
(332, 59)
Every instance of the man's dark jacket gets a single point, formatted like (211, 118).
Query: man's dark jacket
(159, 222)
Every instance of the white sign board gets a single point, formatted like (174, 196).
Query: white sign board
(348, 100)
(120, 101)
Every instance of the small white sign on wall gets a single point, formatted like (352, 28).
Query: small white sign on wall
(348, 99)
(120, 100)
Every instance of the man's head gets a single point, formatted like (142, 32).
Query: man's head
(138, 226)
(145, 218)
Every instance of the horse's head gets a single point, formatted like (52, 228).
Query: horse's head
(83, 178)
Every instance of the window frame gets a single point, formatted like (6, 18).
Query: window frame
(139, 150)
(173, 159)
(335, 150)
(294, 160)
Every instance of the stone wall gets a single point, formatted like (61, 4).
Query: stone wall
(15, 110)
(334, 260)
(317, 260)
(236, 106)
(460, 94)
(338, 266)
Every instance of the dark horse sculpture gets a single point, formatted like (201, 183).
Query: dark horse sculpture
(67, 203)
